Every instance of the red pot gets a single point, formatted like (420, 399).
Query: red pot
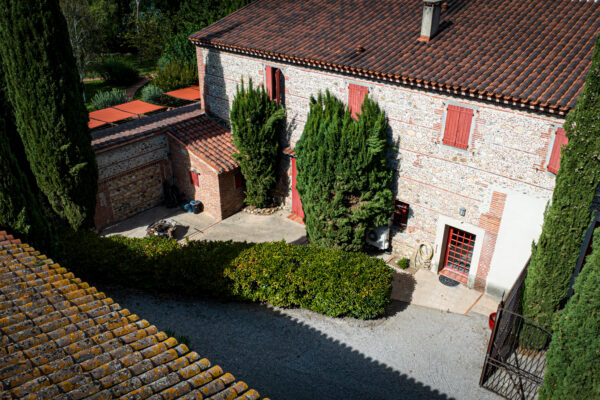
(492, 320)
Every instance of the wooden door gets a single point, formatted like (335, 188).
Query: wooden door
(296, 203)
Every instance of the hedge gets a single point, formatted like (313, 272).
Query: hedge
(331, 282)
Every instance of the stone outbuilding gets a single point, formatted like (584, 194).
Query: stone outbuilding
(475, 92)
(182, 147)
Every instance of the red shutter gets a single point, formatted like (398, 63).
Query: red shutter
(277, 86)
(560, 140)
(194, 178)
(356, 95)
(269, 81)
(458, 126)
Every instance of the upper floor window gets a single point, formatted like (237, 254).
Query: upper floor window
(458, 126)
(274, 84)
(560, 141)
(356, 95)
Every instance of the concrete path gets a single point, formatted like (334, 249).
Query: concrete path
(415, 353)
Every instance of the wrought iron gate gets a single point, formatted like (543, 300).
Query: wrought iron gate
(515, 361)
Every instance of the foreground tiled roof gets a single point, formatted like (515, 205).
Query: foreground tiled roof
(208, 140)
(105, 139)
(533, 53)
(63, 339)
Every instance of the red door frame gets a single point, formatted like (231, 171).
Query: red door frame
(465, 247)
(296, 203)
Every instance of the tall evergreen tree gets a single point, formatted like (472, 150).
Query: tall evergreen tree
(554, 257)
(256, 125)
(21, 211)
(573, 361)
(46, 94)
(343, 176)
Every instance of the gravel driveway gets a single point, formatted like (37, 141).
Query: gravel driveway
(417, 353)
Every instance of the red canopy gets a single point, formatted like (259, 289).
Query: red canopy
(138, 107)
(110, 115)
(191, 93)
(94, 123)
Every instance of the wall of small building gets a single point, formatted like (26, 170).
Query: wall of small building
(130, 179)
(504, 165)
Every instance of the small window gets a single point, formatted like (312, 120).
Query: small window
(560, 141)
(400, 218)
(239, 180)
(356, 95)
(458, 126)
(194, 178)
(274, 81)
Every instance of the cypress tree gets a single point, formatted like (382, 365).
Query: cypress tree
(573, 360)
(555, 256)
(46, 94)
(343, 176)
(256, 124)
(21, 211)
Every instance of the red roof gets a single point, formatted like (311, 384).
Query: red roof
(110, 115)
(191, 93)
(138, 107)
(534, 53)
(94, 123)
(208, 140)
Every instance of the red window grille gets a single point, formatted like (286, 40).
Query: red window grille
(273, 77)
(458, 126)
(356, 95)
(194, 178)
(400, 218)
(239, 180)
(560, 140)
(459, 250)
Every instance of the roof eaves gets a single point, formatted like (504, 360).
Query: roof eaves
(386, 77)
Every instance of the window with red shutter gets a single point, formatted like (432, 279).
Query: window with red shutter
(356, 95)
(400, 217)
(458, 126)
(560, 140)
(274, 84)
(194, 178)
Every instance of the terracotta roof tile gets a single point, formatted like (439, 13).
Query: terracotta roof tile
(208, 140)
(62, 338)
(533, 52)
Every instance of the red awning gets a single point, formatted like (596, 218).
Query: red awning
(110, 115)
(191, 93)
(138, 107)
(94, 123)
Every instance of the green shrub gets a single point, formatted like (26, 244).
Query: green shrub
(108, 98)
(178, 48)
(403, 263)
(176, 75)
(328, 281)
(117, 72)
(151, 94)
(573, 364)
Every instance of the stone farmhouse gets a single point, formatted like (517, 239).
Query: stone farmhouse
(476, 93)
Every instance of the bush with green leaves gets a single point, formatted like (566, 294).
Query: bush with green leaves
(151, 94)
(178, 49)
(108, 98)
(256, 124)
(176, 75)
(573, 360)
(117, 72)
(403, 263)
(554, 257)
(343, 179)
(327, 281)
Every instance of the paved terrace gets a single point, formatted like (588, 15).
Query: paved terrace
(62, 338)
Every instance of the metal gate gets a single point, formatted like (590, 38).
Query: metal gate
(515, 362)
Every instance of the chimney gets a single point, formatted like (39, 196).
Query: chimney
(431, 19)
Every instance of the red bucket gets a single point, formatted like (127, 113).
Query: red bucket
(492, 320)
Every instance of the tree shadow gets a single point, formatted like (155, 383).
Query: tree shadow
(277, 355)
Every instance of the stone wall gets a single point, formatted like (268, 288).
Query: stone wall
(508, 149)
